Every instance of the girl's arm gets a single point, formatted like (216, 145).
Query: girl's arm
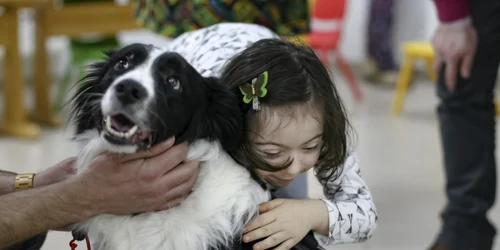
(352, 213)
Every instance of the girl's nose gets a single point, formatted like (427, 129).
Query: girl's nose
(295, 168)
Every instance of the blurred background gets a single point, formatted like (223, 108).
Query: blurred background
(413, 20)
(397, 139)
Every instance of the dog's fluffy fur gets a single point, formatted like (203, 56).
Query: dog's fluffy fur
(164, 96)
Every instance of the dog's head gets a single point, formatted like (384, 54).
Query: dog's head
(140, 96)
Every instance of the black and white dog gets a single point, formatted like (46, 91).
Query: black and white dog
(140, 96)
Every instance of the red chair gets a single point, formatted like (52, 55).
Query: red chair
(326, 30)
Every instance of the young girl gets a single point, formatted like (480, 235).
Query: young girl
(295, 121)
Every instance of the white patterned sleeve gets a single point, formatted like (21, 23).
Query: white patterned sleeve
(352, 214)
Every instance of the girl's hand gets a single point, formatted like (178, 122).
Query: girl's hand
(283, 222)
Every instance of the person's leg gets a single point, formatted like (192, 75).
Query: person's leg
(380, 66)
(33, 243)
(467, 123)
(372, 43)
(380, 34)
(369, 69)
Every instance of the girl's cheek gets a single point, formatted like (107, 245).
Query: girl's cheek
(311, 162)
(261, 174)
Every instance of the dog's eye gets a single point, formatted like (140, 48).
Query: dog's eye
(122, 64)
(174, 82)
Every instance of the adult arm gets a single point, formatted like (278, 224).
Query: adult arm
(6, 182)
(352, 213)
(113, 183)
(30, 212)
(454, 41)
(452, 10)
(54, 174)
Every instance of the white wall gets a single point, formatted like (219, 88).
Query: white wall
(414, 20)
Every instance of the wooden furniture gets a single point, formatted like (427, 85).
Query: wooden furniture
(24, 3)
(14, 121)
(74, 20)
(51, 20)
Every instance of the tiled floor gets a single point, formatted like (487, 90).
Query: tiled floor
(400, 159)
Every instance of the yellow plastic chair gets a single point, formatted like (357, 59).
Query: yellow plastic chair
(413, 51)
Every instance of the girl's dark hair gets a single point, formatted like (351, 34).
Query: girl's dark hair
(295, 76)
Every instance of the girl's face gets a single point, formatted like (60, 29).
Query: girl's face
(283, 136)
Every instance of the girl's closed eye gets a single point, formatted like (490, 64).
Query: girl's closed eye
(311, 148)
(272, 155)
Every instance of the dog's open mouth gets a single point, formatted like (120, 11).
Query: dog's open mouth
(122, 130)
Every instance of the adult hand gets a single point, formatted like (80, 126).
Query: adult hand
(455, 44)
(59, 172)
(151, 180)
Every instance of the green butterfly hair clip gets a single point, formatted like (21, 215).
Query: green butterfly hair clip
(255, 90)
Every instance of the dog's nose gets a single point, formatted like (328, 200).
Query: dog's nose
(129, 91)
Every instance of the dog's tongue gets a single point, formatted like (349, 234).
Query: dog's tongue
(121, 123)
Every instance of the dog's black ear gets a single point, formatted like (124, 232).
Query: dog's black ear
(84, 103)
(109, 53)
(223, 115)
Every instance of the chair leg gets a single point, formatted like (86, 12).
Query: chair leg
(43, 112)
(14, 122)
(323, 56)
(429, 65)
(404, 79)
(497, 107)
(346, 70)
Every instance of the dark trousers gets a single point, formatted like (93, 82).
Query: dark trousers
(33, 243)
(467, 123)
(380, 34)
